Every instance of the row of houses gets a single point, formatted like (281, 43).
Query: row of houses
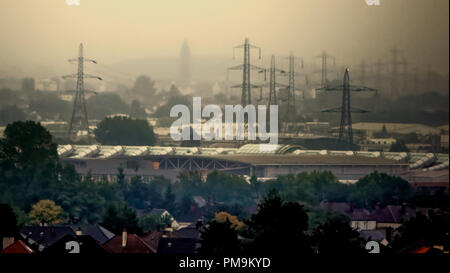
(95, 239)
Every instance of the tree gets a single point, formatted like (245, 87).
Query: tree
(380, 188)
(9, 226)
(279, 227)
(219, 238)
(124, 131)
(136, 110)
(46, 212)
(144, 86)
(223, 217)
(118, 217)
(106, 103)
(383, 133)
(150, 223)
(29, 163)
(398, 146)
(336, 236)
(432, 230)
(169, 199)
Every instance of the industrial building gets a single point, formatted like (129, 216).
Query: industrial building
(102, 162)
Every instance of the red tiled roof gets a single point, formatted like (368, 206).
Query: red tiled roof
(423, 249)
(135, 244)
(18, 247)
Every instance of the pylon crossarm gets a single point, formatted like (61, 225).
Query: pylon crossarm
(92, 76)
(237, 67)
(356, 88)
(74, 91)
(251, 85)
(69, 76)
(90, 60)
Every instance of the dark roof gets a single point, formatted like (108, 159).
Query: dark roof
(373, 235)
(361, 215)
(18, 247)
(278, 159)
(388, 214)
(152, 238)
(158, 212)
(188, 232)
(87, 245)
(393, 214)
(177, 245)
(98, 232)
(192, 216)
(135, 244)
(44, 236)
(400, 213)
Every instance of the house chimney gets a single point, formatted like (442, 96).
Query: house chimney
(404, 211)
(79, 232)
(124, 237)
(199, 224)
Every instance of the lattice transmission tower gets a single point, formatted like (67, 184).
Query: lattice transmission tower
(346, 109)
(324, 56)
(79, 119)
(291, 107)
(246, 67)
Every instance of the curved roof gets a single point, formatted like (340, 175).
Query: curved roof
(254, 154)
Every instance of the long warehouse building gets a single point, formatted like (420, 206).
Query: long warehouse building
(102, 162)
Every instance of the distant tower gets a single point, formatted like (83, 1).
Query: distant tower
(395, 92)
(346, 118)
(346, 109)
(79, 119)
(324, 56)
(246, 67)
(291, 84)
(362, 75)
(185, 64)
(272, 84)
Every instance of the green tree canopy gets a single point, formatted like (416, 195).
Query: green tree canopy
(124, 131)
(46, 212)
(279, 227)
(398, 146)
(336, 236)
(219, 238)
(119, 217)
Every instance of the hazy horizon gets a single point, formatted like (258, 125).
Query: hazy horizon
(39, 36)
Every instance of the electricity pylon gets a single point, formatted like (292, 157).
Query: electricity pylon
(362, 72)
(325, 57)
(394, 72)
(246, 67)
(273, 84)
(291, 85)
(79, 119)
(346, 109)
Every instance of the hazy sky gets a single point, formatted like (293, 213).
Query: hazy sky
(45, 33)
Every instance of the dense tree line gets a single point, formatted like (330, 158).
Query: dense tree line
(16, 105)
(30, 171)
(280, 227)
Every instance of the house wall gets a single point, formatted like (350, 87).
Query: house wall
(364, 225)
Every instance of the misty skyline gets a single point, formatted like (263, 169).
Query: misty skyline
(40, 36)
